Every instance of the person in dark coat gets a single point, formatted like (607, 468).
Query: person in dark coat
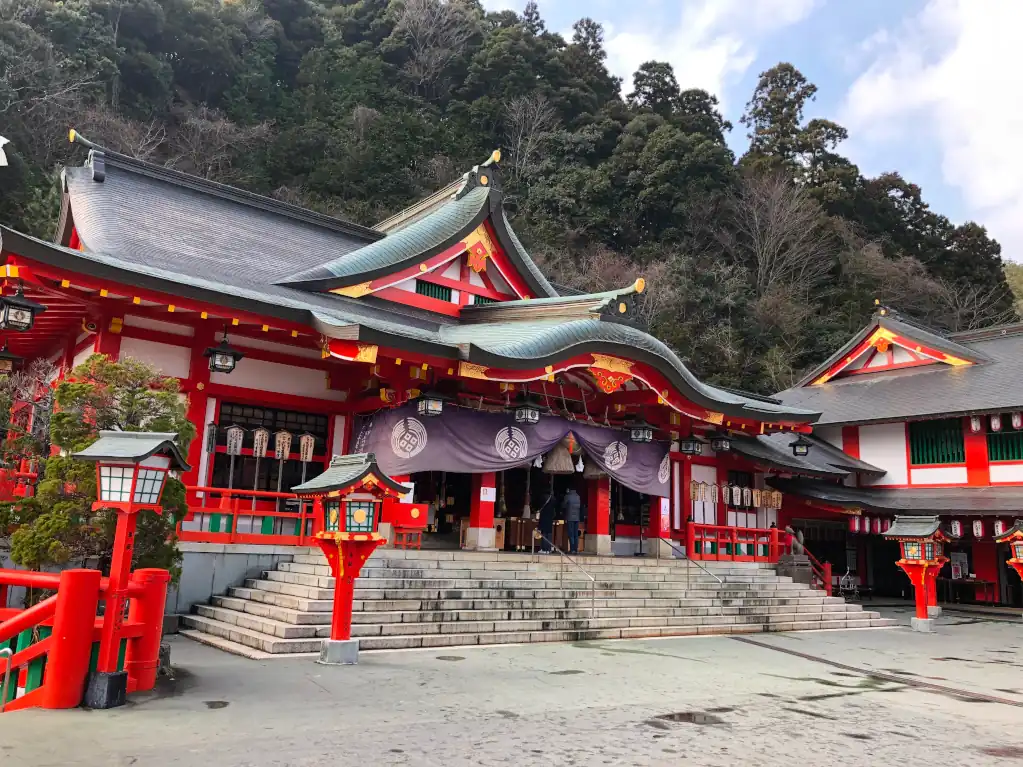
(572, 507)
(547, 513)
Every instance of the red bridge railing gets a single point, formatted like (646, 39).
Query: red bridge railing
(223, 515)
(55, 642)
(734, 544)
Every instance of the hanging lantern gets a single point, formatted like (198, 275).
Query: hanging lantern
(975, 424)
(720, 442)
(999, 527)
(875, 525)
(854, 524)
(1017, 420)
(18, 313)
(691, 445)
(978, 528)
(865, 525)
(956, 526)
(801, 447)
(223, 357)
(886, 525)
(260, 442)
(282, 445)
(527, 409)
(8, 360)
(235, 435)
(640, 431)
(431, 403)
(996, 422)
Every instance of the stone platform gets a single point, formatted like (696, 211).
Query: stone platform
(414, 599)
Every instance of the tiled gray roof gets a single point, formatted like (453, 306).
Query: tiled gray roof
(961, 501)
(421, 239)
(774, 452)
(913, 527)
(133, 446)
(824, 454)
(992, 385)
(345, 471)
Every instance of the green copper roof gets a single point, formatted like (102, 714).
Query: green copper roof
(417, 241)
(133, 446)
(346, 471)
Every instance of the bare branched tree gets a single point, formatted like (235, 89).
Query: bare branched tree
(206, 143)
(363, 118)
(968, 307)
(528, 122)
(437, 32)
(776, 232)
(140, 140)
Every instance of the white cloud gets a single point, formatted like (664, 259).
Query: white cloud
(951, 75)
(713, 44)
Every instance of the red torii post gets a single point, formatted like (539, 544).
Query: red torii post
(349, 496)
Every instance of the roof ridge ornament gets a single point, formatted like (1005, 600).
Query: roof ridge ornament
(96, 160)
(485, 174)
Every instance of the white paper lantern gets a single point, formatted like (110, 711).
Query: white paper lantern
(975, 424)
(996, 422)
(999, 527)
(978, 528)
(1017, 420)
(875, 525)
(956, 526)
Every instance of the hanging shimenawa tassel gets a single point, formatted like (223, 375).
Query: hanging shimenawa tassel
(559, 460)
(592, 471)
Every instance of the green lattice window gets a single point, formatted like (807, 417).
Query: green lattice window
(936, 442)
(439, 292)
(481, 300)
(1005, 444)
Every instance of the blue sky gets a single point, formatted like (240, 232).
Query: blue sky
(930, 88)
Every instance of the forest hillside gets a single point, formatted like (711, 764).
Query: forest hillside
(758, 265)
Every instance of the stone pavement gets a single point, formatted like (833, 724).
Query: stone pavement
(869, 697)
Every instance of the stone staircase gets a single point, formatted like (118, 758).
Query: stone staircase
(409, 599)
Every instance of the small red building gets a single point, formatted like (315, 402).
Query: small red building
(936, 421)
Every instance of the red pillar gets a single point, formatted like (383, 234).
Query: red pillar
(142, 659)
(108, 339)
(978, 471)
(481, 512)
(198, 381)
(598, 516)
(67, 662)
(120, 567)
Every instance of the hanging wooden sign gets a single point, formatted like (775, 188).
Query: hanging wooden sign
(305, 447)
(282, 445)
(235, 435)
(260, 442)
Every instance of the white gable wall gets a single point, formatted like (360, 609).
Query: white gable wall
(884, 446)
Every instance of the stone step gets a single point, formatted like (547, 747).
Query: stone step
(283, 614)
(720, 597)
(263, 625)
(282, 600)
(250, 638)
(578, 602)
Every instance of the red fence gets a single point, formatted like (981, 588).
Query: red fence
(56, 642)
(221, 515)
(734, 544)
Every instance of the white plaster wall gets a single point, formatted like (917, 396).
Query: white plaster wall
(204, 455)
(169, 360)
(1006, 472)
(705, 512)
(337, 444)
(884, 446)
(135, 321)
(275, 377)
(245, 342)
(409, 285)
(879, 360)
(453, 271)
(945, 475)
(860, 361)
(901, 355)
(83, 355)
(475, 279)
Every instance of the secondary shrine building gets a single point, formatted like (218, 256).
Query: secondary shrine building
(935, 422)
(431, 339)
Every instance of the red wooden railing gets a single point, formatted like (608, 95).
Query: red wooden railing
(53, 640)
(821, 573)
(247, 516)
(18, 483)
(734, 544)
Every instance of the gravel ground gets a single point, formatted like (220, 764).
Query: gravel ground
(822, 698)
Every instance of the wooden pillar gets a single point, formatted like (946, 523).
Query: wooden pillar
(978, 469)
(598, 516)
(480, 535)
(108, 339)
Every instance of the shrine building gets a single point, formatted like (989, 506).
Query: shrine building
(936, 422)
(435, 342)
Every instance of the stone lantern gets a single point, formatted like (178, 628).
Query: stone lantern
(347, 500)
(922, 542)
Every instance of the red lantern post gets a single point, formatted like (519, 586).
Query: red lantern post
(1014, 537)
(922, 540)
(349, 495)
(131, 471)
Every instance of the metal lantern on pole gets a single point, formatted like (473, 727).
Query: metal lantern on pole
(235, 435)
(8, 360)
(223, 357)
(922, 542)
(17, 312)
(131, 472)
(1014, 537)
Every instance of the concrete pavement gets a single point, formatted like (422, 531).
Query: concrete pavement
(837, 697)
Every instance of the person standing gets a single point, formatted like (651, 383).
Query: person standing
(572, 508)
